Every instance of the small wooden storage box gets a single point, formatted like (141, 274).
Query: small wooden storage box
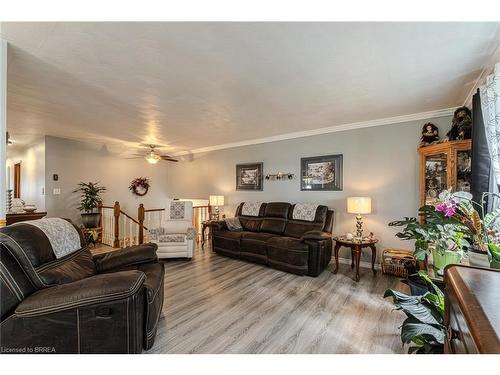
(394, 260)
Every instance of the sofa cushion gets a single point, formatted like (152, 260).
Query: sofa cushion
(272, 225)
(73, 267)
(31, 247)
(288, 254)
(254, 246)
(277, 209)
(228, 240)
(14, 283)
(251, 224)
(173, 238)
(296, 228)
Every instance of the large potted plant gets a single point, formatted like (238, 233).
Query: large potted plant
(455, 226)
(90, 201)
(438, 237)
(480, 228)
(423, 327)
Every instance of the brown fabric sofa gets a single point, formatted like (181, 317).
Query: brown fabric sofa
(275, 239)
(109, 303)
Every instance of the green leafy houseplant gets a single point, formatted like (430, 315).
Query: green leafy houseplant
(453, 225)
(90, 200)
(424, 323)
(438, 232)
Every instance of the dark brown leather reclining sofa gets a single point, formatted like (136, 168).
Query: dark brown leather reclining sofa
(274, 238)
(109, 303)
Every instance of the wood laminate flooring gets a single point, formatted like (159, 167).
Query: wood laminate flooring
(215, 304)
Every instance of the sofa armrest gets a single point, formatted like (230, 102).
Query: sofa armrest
(315, 235)
(218, 225)
(89, 291)
(127, 256)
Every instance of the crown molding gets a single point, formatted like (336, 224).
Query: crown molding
(325, 130)
(487, 69)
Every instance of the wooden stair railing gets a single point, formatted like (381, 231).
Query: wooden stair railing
(119, 229)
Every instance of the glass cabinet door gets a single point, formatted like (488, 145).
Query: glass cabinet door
(435, 177)
(463, 173)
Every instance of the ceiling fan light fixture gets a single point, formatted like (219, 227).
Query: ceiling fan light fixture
(152, 157)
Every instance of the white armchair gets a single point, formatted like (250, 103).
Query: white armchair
(175, 236)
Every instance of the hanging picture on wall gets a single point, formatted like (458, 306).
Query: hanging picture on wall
(249, 176)
(321, 173)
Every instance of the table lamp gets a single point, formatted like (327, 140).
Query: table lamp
(359, 206)
(216, 201)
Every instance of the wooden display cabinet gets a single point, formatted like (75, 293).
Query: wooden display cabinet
(444, 165)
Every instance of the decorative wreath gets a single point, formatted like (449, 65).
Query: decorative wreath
(139, 186)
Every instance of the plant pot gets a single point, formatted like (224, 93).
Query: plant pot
(478, 258)
(495, 264)
(91, 220)
(442, 260)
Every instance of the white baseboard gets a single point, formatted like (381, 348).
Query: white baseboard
(362, 264)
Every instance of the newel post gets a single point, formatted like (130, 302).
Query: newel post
(116, 214)
(140, 218)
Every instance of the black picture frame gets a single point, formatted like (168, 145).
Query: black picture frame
(321, 173)
(249, 176)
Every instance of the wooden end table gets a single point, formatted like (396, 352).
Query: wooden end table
(356, 247)
(204, 225)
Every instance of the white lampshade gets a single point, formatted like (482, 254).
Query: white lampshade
(359, 205)
(216, 200)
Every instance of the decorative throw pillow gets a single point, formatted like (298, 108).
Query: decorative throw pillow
(233, 224)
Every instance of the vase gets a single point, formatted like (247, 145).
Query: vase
(441, 260)
(91, 220)
(478, 258)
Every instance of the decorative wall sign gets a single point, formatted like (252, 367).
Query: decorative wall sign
(140, 186)
(249, 176)
(321, 173)
(280, 176)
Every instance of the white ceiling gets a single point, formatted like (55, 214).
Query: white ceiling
(193, 85)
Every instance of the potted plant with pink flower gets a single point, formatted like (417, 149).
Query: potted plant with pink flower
(452, 228)
(481, 228)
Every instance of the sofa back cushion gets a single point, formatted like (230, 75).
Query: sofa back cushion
(33, 250)
(296, 228)
(15, 285)
(250, 223)
(275, 217)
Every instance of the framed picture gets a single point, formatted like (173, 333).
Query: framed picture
(321, 173)
(249, 176)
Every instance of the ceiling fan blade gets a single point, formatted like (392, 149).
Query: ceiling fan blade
(168, 158)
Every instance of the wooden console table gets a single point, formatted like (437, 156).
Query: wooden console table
(356, 247)
(472, 310)
(24, 216)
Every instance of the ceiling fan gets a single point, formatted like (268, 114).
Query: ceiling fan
(153, 156)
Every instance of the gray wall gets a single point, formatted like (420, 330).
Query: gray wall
(32, 159)
(380, 162)
(75, 161)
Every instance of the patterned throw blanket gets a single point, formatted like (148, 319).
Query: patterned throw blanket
(62, 235)
(305, 211)
(175, 210)
(251, 208)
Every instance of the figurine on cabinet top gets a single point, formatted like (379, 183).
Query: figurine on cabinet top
(461, 125)
(430, 134)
